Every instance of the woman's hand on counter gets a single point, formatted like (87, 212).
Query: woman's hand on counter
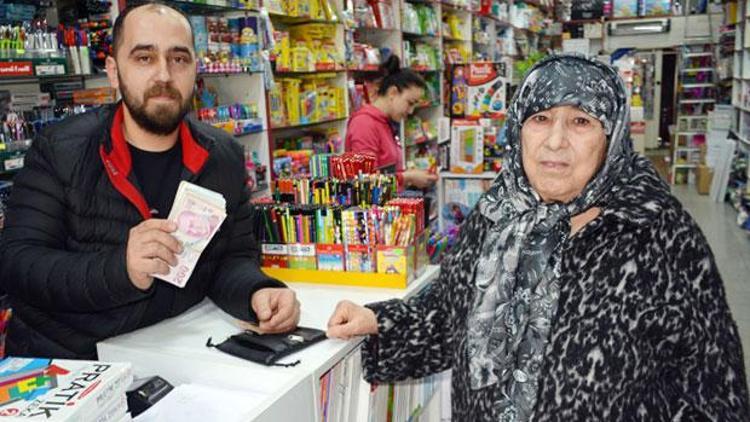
(350, 319)
(419, 178)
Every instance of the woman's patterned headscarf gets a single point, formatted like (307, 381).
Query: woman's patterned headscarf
(517, 276)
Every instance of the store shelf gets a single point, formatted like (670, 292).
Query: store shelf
(537, 4)
(447, 38)
(685, 166)
(700, 116)
(252, 132)
(706, 85)
(308, 72)
(486, 175)
(356, 70)
(703, 101)
(194, 8)
(424, 141)
(455, 7)
(687, 149)
(697, 69)
(302, 125)
(692, 132)
(48, 78)
(583, 21)
(701, 54)
(375, 29)
(292, 20)
(228, 74)
(418, 35)
(527, 30)
(498, 21)
(745, 142)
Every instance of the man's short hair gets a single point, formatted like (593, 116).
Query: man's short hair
(119, 25)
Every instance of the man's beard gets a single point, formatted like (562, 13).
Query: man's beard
(164, 119)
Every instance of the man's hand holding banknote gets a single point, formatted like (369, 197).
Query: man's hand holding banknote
(170, 249)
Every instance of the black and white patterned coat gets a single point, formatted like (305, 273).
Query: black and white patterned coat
(642, 332)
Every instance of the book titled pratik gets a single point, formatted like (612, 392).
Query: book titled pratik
(62, 390)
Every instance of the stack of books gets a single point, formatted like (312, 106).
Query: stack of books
(63, 390)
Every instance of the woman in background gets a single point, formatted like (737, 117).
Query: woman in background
(373, 129)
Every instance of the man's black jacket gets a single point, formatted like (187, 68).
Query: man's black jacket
(62, 252)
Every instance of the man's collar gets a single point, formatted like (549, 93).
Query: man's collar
(194, 155)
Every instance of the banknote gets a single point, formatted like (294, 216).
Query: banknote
(198, 213)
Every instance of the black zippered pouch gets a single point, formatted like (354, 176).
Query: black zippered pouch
(269, 348)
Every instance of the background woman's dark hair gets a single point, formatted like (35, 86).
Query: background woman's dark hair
(394, 75)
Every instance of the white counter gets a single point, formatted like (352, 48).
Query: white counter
(176, 350)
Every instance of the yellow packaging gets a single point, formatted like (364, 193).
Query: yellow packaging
(325, 103)
(328, 12)
(292, 100)
(339, 96)
(282, 51)
(316, 12)
(226, 127)
(302, 59)
(276, 105)
(313, 31)
(395, 260)
(303, 8)
(291, 7)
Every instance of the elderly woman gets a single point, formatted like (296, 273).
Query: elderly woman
(579, 288)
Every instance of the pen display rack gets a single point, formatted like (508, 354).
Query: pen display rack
(354, 231)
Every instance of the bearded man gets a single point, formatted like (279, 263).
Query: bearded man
(86, 234)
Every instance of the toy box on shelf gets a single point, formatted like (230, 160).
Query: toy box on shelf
(494, 143)
(479, 90)
(226, 45)
(467, 147)
(307, 48)
(342, 220)
(305, 100)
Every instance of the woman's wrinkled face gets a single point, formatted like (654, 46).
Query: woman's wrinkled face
(562, 148)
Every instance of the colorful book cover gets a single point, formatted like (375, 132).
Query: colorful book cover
(487, 86)
(58, 389)
(393, 260)
(330, 257)
(302, 256)
(460, 197)
(274, 255)
(360, 258)
(625, 8)
(467, 147)
(656, 7)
